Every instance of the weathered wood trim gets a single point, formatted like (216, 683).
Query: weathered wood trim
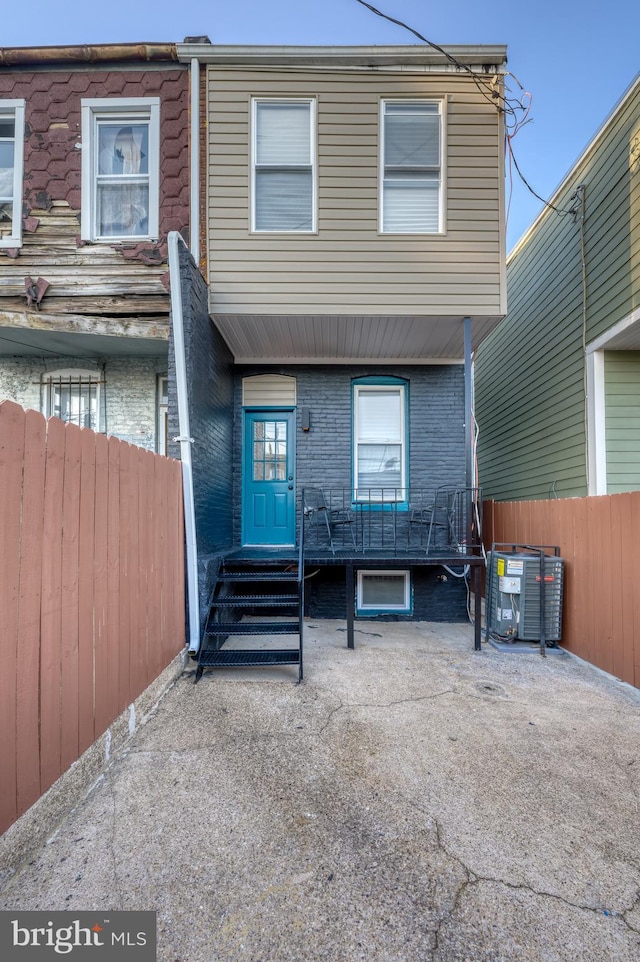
(151, 327)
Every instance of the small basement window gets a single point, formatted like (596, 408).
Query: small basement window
(383, 592)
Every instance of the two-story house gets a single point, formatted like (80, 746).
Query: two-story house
(355, 259)
(94, 174)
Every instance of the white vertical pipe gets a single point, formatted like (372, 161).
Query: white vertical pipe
(195, 160)
(185, 441)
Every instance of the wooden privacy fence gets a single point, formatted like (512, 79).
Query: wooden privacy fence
(91, 591)
(599, 538)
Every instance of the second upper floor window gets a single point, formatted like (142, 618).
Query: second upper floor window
(120, 168)
(283, 165)
(411, 167)
(11, 156)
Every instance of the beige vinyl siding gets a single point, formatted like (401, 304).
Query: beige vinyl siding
(269, 390)
(533, 440)
(347, 266)
(622, 420)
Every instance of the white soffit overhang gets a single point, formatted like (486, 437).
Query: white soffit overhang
(339, 339)
(623, 336)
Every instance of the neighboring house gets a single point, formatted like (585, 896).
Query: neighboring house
(557, 384)
(355, 234)
(94, 173)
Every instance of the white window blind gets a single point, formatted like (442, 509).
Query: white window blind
(411, 167)
(283, 166)
(379, 449)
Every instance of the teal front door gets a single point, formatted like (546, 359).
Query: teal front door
(268, 488)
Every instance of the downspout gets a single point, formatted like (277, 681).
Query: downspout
(194, 218)
(185, 440)
(468, 406)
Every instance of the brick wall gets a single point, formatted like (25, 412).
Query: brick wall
(436, 419)
(209, 367)
(128, 395)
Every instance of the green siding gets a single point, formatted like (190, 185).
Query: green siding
(622, 399)
(529, 374)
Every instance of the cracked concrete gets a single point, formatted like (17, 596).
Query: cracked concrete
(412, 800)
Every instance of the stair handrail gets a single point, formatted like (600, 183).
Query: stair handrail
(301, 584)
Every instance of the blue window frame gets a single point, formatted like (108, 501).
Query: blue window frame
(380, 440)
(384, 593)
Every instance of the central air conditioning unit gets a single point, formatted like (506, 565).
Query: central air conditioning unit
(514, 591)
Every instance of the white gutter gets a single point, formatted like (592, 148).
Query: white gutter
(185, 440)
(195, 160)
(473, 55)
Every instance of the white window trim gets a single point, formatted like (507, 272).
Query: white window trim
(255, 101)
(162, 414)
(368, 388)
(441, 104)
(72, 374)
(114, 108)
(596, 423)
(15, 109)
(404, 608)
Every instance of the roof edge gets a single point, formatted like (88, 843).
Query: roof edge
(98, 53)
(472, 55)
(593, 143)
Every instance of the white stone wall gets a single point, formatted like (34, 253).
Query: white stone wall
(128, 394)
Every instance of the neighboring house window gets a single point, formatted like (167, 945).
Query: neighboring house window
(411, 167)
(383, 592)
(283, 163)
(73, 396)
(11, 158)
(379, 440)
(120, 168)
(163, 414)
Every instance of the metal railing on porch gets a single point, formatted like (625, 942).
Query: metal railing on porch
(446, 520)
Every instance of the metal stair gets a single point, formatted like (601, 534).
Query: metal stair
(253, 599)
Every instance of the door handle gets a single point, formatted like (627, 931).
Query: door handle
(290, 487)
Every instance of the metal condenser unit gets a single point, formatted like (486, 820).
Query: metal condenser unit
(513, 593)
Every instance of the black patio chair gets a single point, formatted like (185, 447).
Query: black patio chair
(321, 514)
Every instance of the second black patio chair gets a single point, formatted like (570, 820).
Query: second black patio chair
(328, 517)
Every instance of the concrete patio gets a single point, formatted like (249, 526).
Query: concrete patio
(411, 800)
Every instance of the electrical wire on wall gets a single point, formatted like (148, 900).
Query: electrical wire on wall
(580, 213)
(514, 107)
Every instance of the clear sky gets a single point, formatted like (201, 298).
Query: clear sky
(576, 58)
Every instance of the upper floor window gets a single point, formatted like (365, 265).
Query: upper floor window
(380, 448)
(11, 157)
(283, 165)
(411, 167)
(120, 168)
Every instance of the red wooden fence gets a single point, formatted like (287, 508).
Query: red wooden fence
(91, 591)
(599, 538)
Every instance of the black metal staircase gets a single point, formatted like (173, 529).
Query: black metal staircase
(254, 598)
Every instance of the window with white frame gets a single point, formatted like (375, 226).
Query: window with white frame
(383, 592)
(11, 158)
(120, 168)
(283, 165)
(411, 166)
(73, 396)
(379, 442)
